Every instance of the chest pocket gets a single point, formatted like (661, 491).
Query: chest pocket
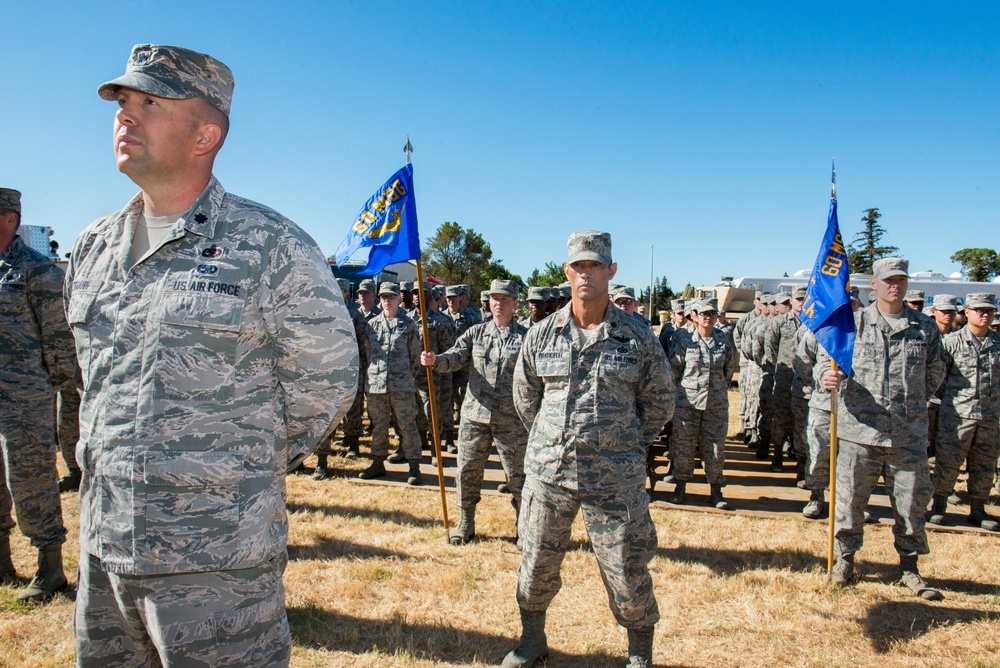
(196, 347)
(620, 364)
(553, 365)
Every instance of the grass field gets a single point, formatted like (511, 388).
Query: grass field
(373, 582)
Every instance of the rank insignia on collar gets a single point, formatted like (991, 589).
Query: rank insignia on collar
(201, 218)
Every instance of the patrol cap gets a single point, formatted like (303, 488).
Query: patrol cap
(589, 245)
(767, 299)
(677, 305)
(427, 285)
(566, 291)
(466, 290)
(996, 319)
(914, 296)
(758, 294)
(10, 199)
(438, 291)
(782, 297)
(367, 285)
(945, 303)
(500, 287)
(388, 289)
(453, 291)
(484, 295)
(887, 267)
(623, 292)
(406, 286)
(553, 293)
(706, 305)
(800, 292)
(980, 300)
(344, 284)
(536, 294)
(176, 73)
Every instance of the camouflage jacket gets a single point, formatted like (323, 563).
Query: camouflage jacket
(491, 375)
(666, 332)
(462, 320)
(36, 346)
(393, 354)
(895, 370)
(441, 335)
(210, 366)
(592, 411)
(741, 334)
(702, 369)
(972, 384)
(475, 314)
(779, 345)
(758, 342)
(360, 334)
(811, 362)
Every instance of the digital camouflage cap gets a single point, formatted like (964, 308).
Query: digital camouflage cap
(589, 245)
(946, 303)
(499, 287)
(175, 73)
(10, 199)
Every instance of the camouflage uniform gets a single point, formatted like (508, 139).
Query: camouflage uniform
(488, 416)
(592, 409)
(969, 422)
(460, 377)
(352, 424)
(779, 350)
(68, 425)
(749, 369)
(393, 348)
(702, 368)
(36, 360)
(811, 362)
(882, 426)
(441, 333)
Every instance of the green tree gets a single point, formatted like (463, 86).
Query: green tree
(662, 294)
(867, 245)
(978, 264)
(456, 255)
(495, 271)
(551, 275)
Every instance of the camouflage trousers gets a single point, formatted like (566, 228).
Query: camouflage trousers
(977, 441)
(693, 428)
(459, 383)
(474, 442)
(765, 405)
(782, 418)
(351, 423)
(442, 399)
(404, 406)
(215, 618)
(744, 370)
(751, 385)
(818, 460)
(621, 533)
(907, 481)
(800, 421)
(28, 470)
(68, 426)
(933, 410)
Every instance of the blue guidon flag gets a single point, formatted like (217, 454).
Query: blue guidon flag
(387, 223)
(827, 306)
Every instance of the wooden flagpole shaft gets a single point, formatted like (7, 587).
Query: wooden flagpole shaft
(833, 470)
(433, 402)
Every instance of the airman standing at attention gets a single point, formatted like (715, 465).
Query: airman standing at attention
(943, 311)
(898, 364)
(779, 350)
(536, 307)
(460, 377)
(490, 352)
(36, 362)
(915, 300)
(593, 388)
(216, 353)
(746, 360)
(484, 304)
(772, 308)
(366, 299)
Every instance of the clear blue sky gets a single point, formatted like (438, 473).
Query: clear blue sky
(705, 129)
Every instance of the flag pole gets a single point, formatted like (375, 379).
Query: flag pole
(408, 149)
(833, 427)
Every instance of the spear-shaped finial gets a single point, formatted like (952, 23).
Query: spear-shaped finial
(833, 181)
(408, 149)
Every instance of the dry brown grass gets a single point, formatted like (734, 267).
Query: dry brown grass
(372, 582)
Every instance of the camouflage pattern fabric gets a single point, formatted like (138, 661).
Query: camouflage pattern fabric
(36, 360)
(818, 456)
(811, 362)
(402, 405)
(68, 426)
(882, 426)
(701, 367)
(907, 481)
(230, 618)
(209, 367)
(765, 390)
(592, 411)
(393, 348)
(779, 350)
(459, 377)
(441, 335)
(488, 415)
(748, 392)
(352, 424)
(621, 533)
(969, 419)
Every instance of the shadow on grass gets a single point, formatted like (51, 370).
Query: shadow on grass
(892, 621)
(731, 562)
(331, 548)
(352, 512)
(315, 628)
(889, 573)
